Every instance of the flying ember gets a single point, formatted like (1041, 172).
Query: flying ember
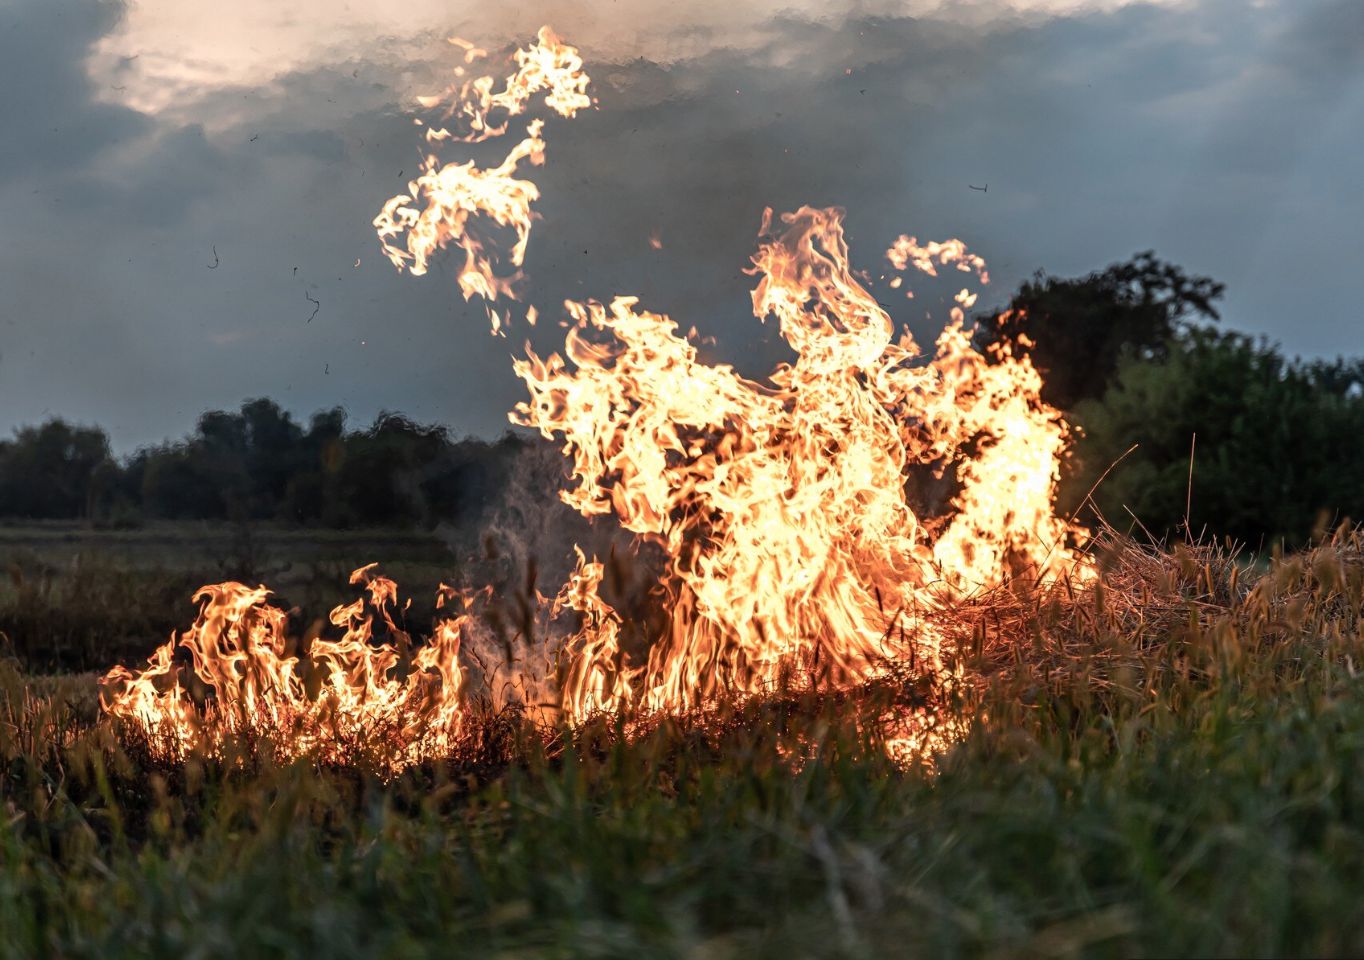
(791, 512)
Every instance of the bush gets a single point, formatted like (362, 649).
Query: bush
(1278, 441)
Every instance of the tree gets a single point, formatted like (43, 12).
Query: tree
(1278, 441)
(175, 485)
(274, 453)
(311, 494)
(386, 471)
(47, 472)
(1075, 330)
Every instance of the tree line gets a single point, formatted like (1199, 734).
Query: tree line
(257, 463)
(1132, 353)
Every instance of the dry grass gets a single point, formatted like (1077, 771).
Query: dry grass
(1167, 761)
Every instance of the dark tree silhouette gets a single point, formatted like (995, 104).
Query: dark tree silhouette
(1079, 328)
(1278, 447)
(260, 464)
(49, 471)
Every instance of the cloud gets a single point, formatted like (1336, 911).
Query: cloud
(1326, 41)
(1209, 136)
(187, 47)
(48, 113)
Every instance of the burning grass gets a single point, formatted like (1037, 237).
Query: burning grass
(858, 726)
(1164, 762)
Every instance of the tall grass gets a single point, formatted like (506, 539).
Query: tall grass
(1171, 764)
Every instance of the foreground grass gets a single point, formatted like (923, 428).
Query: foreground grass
(1173, 766)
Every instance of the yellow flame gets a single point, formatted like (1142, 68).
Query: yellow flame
(783, 508)
(907, 252)
(793, 512)
(353, 688)
(441, 203)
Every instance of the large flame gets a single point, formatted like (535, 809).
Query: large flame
(783, 508)
(789, 511)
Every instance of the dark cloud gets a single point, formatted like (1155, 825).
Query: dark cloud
(49, 115)
(324, 146)
(1206, 131)
(1326, 41)
(166, 172)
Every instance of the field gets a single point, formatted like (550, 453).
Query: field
(77, 599)
(1171, 764)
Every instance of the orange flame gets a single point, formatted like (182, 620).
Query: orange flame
(347, 690)
(907, 252)
(783, 508)
(455, 193)
(792, 514)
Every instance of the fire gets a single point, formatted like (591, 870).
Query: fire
(454, 193)
(798, 543)
(347, 691)
(783, 507)
(907, 251)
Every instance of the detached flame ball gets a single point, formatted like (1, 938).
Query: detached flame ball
(786, 509)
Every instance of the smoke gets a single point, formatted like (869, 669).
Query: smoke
(528, 549)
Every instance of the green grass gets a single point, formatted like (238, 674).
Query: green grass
(1173, 765)
(74, 598)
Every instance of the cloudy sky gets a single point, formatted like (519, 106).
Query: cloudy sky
(143, 144)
